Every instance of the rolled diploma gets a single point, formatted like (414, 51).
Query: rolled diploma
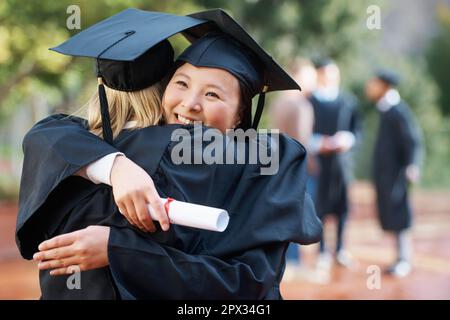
(195, 215)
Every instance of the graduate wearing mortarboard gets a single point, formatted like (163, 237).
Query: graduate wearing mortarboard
(267, 212)
(396, 160)
(336, 130)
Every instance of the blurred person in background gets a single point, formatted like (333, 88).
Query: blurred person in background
(335, 132)
(396, 160)
(292, 113)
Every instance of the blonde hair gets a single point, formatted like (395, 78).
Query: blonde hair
(142, 106)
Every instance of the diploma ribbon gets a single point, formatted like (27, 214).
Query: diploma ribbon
(167, 204)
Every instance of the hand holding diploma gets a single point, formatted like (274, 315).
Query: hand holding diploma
(194, 215)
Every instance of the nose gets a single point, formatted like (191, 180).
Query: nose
(192, 103)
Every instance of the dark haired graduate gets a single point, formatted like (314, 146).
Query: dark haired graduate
(397, 158)
(74, 222)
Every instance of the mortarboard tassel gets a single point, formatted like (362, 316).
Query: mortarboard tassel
(106, 123)
(104, 109)
(259, 108)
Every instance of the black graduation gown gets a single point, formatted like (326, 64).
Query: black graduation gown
(244, 262)
(397, 146)
(335, 169)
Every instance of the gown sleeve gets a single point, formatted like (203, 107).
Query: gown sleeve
(54, 149)
(164, 272)
(409, 138)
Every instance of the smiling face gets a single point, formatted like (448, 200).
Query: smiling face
(209, 95)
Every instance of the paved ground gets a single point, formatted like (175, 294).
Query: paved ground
(368, 245)
(18, 277)
(374, 250)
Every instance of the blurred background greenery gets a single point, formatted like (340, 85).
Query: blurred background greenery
(414, 39)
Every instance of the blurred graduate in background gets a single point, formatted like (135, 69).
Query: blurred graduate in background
(336, 130)
(396, 162)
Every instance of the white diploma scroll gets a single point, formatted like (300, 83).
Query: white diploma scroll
(194, 215)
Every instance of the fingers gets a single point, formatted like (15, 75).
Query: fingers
(65, 270)
(132, 215)
(123, 211)
(158, 209)
(59, 241)
(144, 215)
(58, 263)
(136, 212)
(53, 254)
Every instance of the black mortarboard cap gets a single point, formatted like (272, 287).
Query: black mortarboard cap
(139, 74)
(219, 50)
(390, 77)
(126, 35)
(237, 53)
(131, 50)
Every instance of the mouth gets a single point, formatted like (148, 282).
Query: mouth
(184, 120)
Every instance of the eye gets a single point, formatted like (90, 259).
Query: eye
(181, 83)
(212, 94)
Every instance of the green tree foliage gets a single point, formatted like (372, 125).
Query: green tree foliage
(29, 28)
(439, 58)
